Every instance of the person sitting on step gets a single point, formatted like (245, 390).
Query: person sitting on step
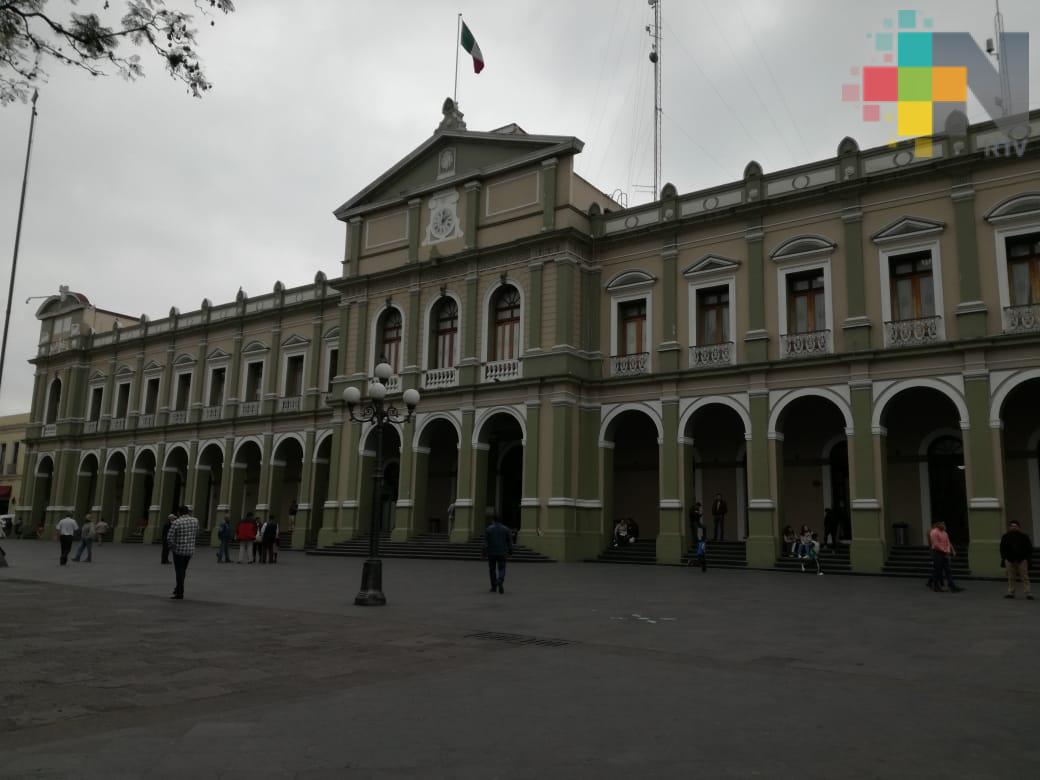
(620, 532)
(633, 531)
(790, 541)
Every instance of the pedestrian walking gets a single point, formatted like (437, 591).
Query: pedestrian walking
(183, 532)
(87, 533)
(718, 515)
(66, 531)
(498, 545)
(100, 530)
(696, 522)
(1015, 551)
(830, 529)
(224, 535)
(701, 552)
(267, 539)
(258, 541)
(245, 534)
(942, 553)
(813, 554)
(165, 531)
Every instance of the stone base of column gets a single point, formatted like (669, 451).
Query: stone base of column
(867, 556)
(986, 526)
(971, 320)
(299, 538)
(669, 548)
(330, 536)
(399, 534)
(868, 550)
(761, 542)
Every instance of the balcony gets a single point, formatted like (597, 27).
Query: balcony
(249, 409)
(630, 365)
(178, 417)
(393, 384)
(501, 370)
(329, 398)
(50, 430)
(437, 378)
(711, 355)
(913, 333)
(117, 424)
(290, 404)
(1022, 319)
(146, 421)
(90, 426)
(211, 413)
(797, 345)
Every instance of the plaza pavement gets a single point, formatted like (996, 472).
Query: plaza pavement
(271, 672)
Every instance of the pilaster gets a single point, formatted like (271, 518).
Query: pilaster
(533, 336)
(549, 169)
(762, 540)
(670, 535)
(856, 327)
(756, 341)
(404, 514)
(301, 523)
(868, 549)
(971, 311)
(668, 350)
(564, 326)
(530, 503)
(982, 464)
(464, 507)
(472, 190)
(469, 366)
(272, 372)
(350, 267)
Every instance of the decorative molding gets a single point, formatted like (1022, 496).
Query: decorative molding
(984, 503)
(1023, 206)
(630, 281)
(710, 264)
(908, 228)
(802, 247)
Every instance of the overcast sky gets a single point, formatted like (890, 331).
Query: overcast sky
(144, 198)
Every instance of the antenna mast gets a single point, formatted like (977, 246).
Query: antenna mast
(655, 58)
(1005, 78)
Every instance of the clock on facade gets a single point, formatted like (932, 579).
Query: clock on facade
(442, 223)
(444, 217)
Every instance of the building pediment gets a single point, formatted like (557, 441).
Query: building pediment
(802, 248)
(97, 376)
(254, 346)
(630, 280)
(908, 227)
(184, 360)
(709, 264)
(151, 365)
(453, 155)
(296, 340)
(1025, 205)
(218, 354)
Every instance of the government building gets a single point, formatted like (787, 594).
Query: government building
(859, 334)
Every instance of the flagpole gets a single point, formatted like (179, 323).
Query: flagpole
(458, 32)
(18, 234)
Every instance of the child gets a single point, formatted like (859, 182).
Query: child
(702, 553)
(789, 541)
(804, 542)
(814, 555)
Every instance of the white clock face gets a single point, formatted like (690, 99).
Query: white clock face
(442, 222)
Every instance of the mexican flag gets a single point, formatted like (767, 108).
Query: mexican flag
(469, 43)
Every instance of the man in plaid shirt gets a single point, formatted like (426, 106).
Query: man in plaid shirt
(181, 538)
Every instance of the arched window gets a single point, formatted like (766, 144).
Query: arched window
(390, 339)
(53, 402)
(506, 324)
(446, 331)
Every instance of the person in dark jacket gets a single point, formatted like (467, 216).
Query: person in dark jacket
(1015, 551)
(166, 537)
(718, 515)
(269, 535)
(498, 545)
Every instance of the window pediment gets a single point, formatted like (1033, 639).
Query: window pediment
(124, 371)
(184, 360)
(97, 376)
(802, 248)
(908, 227)
(1022, 206)
(627, 281)
(296, 340)
(709, 264)
(332, 335)
(151, 366)
(218, 354)
(253, 347)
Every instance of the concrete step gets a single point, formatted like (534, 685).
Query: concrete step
(429, 546)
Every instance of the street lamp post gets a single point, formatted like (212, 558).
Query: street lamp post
(378, 412)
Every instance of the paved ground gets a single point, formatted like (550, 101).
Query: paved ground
(270, 671)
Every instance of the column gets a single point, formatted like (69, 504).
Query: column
(983, 464)
(549, 168)
(591, 534)
(764, 456)
(668, 349)
(756, 342)
(198, 381)
(343, 344)
(469, 365)
(689, 488)
(868, 549)
(565, 302)
(413, 229)
(166, 389)
(312, 390)
(350, 267)
(464, 508)
(670, 535)
(472, 190)
(126, 524)
(108, 397)
(361, 366)
(134, 404)
(263, 490)
(155, 509)
(533, 336)
(301, 524)
(971, 310)
(856, 327)
(272, 371)
(560, 516)
(234, 386)
(530, 503)
(404, 514)
(413, 327)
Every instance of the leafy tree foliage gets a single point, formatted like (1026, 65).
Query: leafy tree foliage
(33, 32)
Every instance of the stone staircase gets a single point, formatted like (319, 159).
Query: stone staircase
(911, 561)
(834, 561)
(429, 546)
(135, 537)
(642, 551)
(721, 555)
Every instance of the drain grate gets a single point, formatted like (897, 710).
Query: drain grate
(518, 639)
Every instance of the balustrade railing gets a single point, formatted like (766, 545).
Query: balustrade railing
(249, 409)
(289, 404)
(501, 370)
(146, 421)
(912, 333)
(436, 378)
(178, 417)
(117, 424)
(90, 426)
(709, 355)
(816, 342)
(50, 430)
(630, 365)
(213, 413)
(1022, 319)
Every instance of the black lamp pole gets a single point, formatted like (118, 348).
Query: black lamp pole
(378, 412)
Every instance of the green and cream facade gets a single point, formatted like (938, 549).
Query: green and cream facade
(860, 333)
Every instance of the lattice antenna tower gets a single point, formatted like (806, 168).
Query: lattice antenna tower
(655, 57)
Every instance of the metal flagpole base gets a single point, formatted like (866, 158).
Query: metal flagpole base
(371, 593)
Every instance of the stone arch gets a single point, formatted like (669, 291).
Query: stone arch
(204, 445)
(1003, 390)
(484, 415)
(429, 419)
(241, 442)
(606, 426)
(890, 392)
(142, 448)
(708, 400)
(86, 454)
(40, 472)
(172, 449)
(319, 440)
(825, 393)
(112, 453)
(282, 437)
(366, 435)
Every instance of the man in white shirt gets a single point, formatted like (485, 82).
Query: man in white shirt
(66, 529)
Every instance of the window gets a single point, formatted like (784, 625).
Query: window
(3, 454)
(96, 396)
(806, 307)
(713, 315)
(333, 367)
(53, 402)
(183, 392)
(122, 400)
(14, 454)
(390, 339)
(506, 320)
(913, 291)
(1023, 268)
(631, 323)
(294, 376)
(254, 381)
(151, 395)
(216, 386)
(446, 331)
